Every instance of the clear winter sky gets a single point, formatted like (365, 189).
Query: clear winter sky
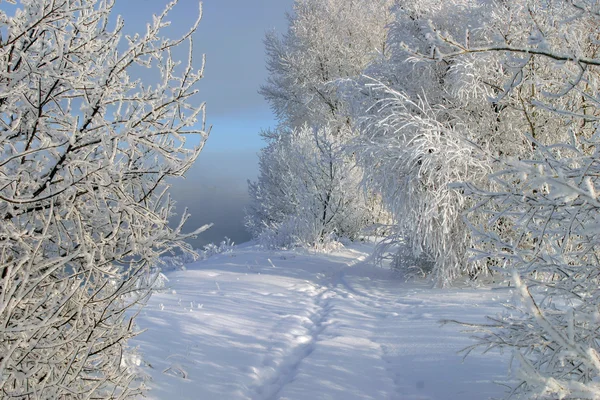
(231, 36)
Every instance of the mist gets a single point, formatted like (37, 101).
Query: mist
(215, 191)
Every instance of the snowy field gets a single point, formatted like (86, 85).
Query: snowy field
(295, 325)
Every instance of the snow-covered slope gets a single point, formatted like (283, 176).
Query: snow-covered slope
(293, 325)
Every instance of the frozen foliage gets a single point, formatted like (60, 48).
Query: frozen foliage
(170, 263)
(327, 40)
(84, 153)
(304, 196)
(538, 222)
(308, 191)
(412, 157)
(422, 127)
(552, 207)
(211, 249)
(433, 113)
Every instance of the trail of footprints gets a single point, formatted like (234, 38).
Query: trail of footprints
(280, 365)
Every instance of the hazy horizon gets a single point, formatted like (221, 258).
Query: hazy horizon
(231, 36)
(216, 195)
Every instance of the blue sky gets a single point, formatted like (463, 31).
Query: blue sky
(231, 36)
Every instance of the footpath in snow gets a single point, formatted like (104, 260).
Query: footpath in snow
(294, 325)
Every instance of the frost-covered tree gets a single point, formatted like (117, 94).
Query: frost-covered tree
(429, 121)
(546, 203)
(412, 156)
(327, 42)
(421, 126)
(552, 256)
(302, 198)
(84, 153)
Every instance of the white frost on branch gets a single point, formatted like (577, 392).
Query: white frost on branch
(84, 154)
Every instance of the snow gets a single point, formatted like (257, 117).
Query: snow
(294, 325)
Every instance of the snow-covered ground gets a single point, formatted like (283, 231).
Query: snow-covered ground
(294, 325)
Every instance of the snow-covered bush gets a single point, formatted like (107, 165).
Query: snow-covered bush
(412, 156)
(423, 126)
(307, 191)
(211, 249)
(439, 109)
(537, 222)
(552, 255)
(84, 153)
(177, 262)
